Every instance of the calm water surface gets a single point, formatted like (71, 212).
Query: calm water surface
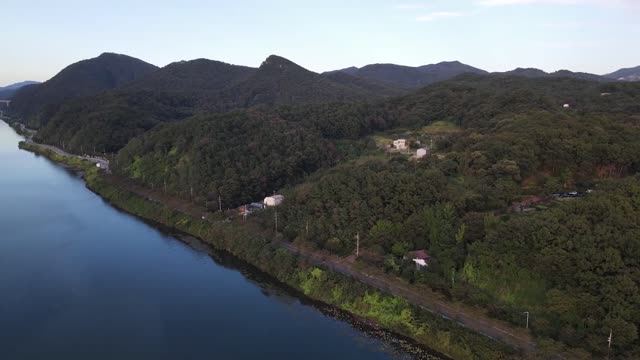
(81, 280)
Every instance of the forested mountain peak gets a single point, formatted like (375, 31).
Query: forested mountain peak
(84, 78)
(275, 64)
(528, 72)
(193, 76)
(352, 70)
(451, 68)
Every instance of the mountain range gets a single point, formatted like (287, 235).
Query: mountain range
(407, 77)
(218, 86)
(129, 96)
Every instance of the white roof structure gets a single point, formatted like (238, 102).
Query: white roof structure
(274, 200)
(420, 262)
(400, 143)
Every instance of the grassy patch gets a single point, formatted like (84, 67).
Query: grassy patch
(440, 128)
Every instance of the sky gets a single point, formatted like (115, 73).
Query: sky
(599, 36)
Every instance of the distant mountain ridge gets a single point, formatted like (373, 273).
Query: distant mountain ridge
(408, 77)
(533, 72)
(18, 85)
(84, 78)
(7, 92)
(626, 74)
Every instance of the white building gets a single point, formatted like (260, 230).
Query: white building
(420, 263)
(422, 152)
(274, 200)
(400, 144)
(566, 106)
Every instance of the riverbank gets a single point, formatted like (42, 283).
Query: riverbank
(252, 243)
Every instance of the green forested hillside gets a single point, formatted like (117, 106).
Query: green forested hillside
(241, 156)
(107, 122)
(572, 263)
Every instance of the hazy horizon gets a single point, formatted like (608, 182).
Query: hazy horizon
(494, 35)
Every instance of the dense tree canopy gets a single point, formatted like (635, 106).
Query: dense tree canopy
(241, 156)
(572, 264)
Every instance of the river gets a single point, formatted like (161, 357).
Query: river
(82, 280)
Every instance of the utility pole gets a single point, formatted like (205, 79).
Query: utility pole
(276, 217)
(219, 203)
(165, 185)
(527, 313)
(191, 190)
(357, 244)
(307, 228)
(609, 340)
(453, 277)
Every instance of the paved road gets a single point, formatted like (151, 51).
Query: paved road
(104, 163)
(428, 301)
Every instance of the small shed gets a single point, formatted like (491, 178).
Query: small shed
(274, 200)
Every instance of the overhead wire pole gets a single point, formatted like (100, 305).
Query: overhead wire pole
(276, 218)
(357, 244)
(527, 313)
(219, 203)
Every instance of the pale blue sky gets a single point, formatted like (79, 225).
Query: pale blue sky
(599, 36)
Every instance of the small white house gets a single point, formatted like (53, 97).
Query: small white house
(274, 200)
(400, 144)
(422, 152)
(566, 106)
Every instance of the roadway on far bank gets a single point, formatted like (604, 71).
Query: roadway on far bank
(102, 162)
